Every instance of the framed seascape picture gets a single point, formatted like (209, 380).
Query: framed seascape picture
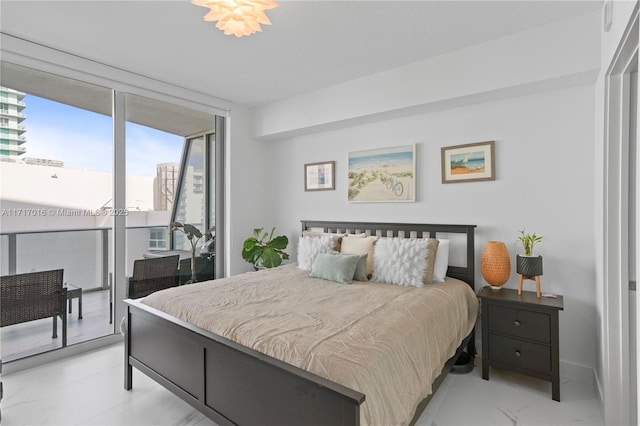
(383, 175)
(467, 163)
(319, 176)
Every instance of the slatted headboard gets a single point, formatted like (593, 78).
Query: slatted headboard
(407, 230)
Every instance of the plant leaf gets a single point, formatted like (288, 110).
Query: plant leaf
(192, 230)
(280, 242)
(249, 243)
(270, 258)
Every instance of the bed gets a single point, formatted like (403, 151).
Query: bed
(221, 363)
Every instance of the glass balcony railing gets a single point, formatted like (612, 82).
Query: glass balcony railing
(85, 256)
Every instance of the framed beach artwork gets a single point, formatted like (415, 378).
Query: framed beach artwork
(319, 176)
(383, 175)
(467, 163)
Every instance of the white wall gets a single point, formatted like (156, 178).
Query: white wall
(532, 92)
(544, 183)
(247, 203)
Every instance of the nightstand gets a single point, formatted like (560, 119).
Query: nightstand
(520, 333)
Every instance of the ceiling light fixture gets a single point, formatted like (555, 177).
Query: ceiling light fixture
(237, 17)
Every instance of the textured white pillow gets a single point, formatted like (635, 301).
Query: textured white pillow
(337, 238)
(309, 247)
(400, 261)
(442, 261)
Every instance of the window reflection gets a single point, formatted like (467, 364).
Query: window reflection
(191, 206)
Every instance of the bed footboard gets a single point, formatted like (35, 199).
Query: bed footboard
(230, 383)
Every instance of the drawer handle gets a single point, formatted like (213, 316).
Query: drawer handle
(516, 323)
(517, 354)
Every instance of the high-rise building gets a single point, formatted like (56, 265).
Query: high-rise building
(11, 115)
(165, 185)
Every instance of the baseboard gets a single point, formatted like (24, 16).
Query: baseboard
(577, 372)
(571, 371)
(598, 391)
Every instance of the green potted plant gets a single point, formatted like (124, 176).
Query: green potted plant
(529, 264)
(193, 235)
(263, 250)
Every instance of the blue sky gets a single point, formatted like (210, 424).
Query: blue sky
(83, 139)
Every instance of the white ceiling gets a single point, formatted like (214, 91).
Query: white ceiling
(311, 44)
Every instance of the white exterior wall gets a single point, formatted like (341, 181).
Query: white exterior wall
(32, 200)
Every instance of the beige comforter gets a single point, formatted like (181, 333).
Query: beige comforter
(386, 341)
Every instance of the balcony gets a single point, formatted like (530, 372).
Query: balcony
(11, 125)
(7, 138)
(84, 254)
(34, 337)
(11, 148)
(13, 113)
(13, 101)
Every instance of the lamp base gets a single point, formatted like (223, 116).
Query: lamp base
(495, 287)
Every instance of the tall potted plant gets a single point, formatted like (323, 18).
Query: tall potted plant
(263, 250)
(193, 235)
(529, 264)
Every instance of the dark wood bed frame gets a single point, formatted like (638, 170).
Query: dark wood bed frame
(233, 384)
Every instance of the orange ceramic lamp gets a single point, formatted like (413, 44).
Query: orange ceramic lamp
(495, 264)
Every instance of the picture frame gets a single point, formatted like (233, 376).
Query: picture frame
(471, 162)
(320, 176)
(382, 175)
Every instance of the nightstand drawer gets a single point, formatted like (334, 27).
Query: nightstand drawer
(520, 323)
(517, 353)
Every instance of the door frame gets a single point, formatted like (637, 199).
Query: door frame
(616, 351)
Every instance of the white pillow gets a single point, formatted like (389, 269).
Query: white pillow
(337, 238)
(400, 261)
(310, 247)
(442, 261)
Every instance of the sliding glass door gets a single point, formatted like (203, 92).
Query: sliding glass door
(91, 181)
(55, 195)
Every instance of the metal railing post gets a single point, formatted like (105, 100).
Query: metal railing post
(13, 261)
(105, 259)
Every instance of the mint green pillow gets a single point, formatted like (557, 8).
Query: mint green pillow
(361, 267)
(335, 267)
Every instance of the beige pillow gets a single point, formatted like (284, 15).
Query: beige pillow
(432, 249)
(360, 246)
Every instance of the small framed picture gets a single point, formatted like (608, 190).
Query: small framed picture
(468, 163)
(319, 176)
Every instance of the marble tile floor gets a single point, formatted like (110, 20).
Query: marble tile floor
(88, 390)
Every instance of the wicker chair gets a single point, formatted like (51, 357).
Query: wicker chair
(33, 296)
(150, 275)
